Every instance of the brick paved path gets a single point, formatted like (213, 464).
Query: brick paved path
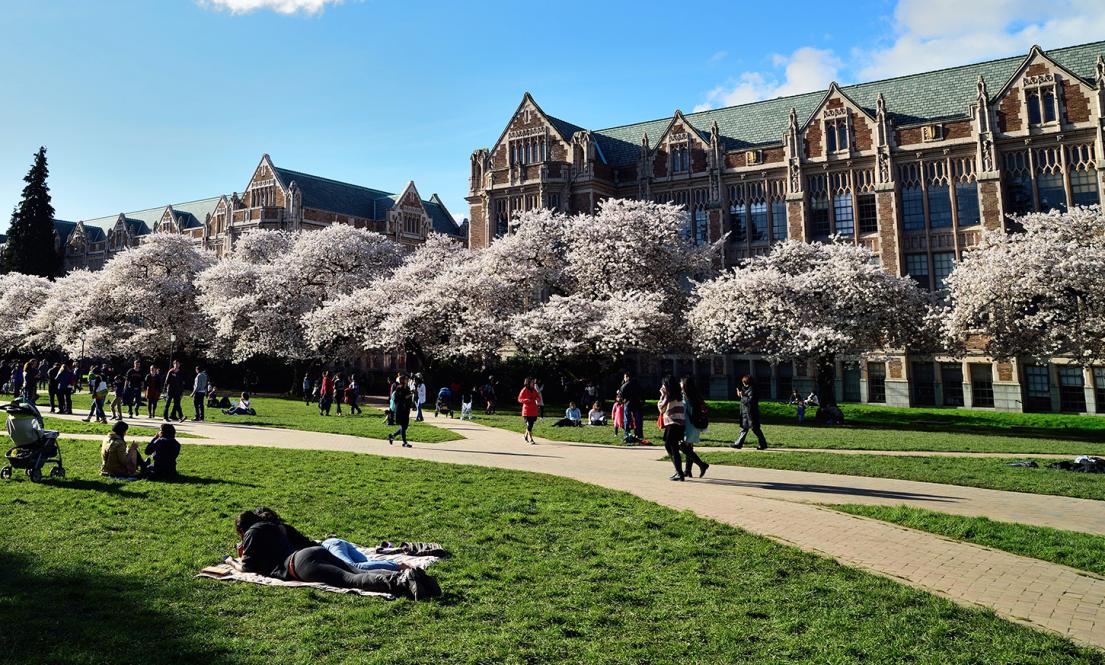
(780, 505)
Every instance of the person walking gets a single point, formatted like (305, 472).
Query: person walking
(694, 407)
(98, 387)
(632, 398)
(174, 391)
(488, 392)
(750, 414)
(325, 393)
(132, 388)
(401, 402)
(199, 392)
(419, 391)
(353, 396)
(529, 398)
(153, 391)
(672, 419)
(118, 387)
(339, 391)
(539, 386)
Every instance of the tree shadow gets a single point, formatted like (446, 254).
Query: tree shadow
(106, 485)
(77, 614)
(833, 489)
(184, 479)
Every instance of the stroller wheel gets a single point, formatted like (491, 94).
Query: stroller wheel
(57, 472)
(35, 474)
(6, 472)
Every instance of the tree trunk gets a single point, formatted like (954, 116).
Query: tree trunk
(826, 380)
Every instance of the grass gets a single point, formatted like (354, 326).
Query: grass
(1069, 548)
(77, 427)
(989, 472)
(812, 436)
(545, 570)
(294, 414)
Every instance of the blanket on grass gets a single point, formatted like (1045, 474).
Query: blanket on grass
(385, 552)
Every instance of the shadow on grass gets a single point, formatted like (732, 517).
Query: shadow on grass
(834, 489)
(78, 614)
(122, 488)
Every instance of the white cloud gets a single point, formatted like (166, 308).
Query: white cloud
(983, 29)
(802, 71)
(717, 57)
(923, 39)
(286, 7)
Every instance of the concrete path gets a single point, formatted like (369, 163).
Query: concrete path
(781, 505)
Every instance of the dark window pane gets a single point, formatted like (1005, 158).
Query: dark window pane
(940, 207)
(759, 220)
(819, 215)
(924, 384)
(917, 267)
(1083, 188)
(868, 215)
(1037, 388)
(779, 220)
(913, 209)
(876, 382)
(1053, 196)
(942, 265)
(951, 380)
(1033, 108)
(1049, 106)
(830, 138)
(966, 196)
(842, 214)
(1019, 194)
(738, 228)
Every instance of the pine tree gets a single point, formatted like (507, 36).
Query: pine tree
(30, 248)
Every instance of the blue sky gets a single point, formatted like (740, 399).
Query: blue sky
(145, 103)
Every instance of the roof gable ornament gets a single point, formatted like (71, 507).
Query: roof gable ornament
(1100, 64)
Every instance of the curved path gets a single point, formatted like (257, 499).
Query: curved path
(782, 505)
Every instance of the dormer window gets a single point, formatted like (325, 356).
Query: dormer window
(1041, 106)
(836, 135)
(680, 159)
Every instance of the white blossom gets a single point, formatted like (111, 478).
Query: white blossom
(21, 296)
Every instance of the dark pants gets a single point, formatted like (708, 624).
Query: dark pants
(673, 436)
(130, 395)
(403, 420)
(53, 395)
(198, 401)
(324, 405)
(65, 401)
(172, 408)
(633, 415)
(353, 408)
(692, 457)
(317, 564)
(151, 404)
(753, 425)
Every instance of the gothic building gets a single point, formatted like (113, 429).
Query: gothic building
(911, 167)
(274, 198)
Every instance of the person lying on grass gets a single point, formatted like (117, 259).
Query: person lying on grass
(273, 548)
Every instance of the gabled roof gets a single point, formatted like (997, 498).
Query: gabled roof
(62, 228)
(925, 97)
(140, 222)
(333, 195)
(440, 218)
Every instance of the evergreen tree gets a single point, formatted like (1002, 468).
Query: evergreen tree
(30, 248)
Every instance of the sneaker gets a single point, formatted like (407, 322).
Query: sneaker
(762, 446)
(738, 446)
(407, 445)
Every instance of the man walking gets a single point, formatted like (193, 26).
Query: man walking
(631, 396)
(750, 414)
(174, 390)
(132, 389)
(63, 386)
(51, 384)
(199, 392)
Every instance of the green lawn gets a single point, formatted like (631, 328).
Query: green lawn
(77, 427)
(813, 436)
(990, 472)
(545, 570)
(294, 414)
(1069, 548)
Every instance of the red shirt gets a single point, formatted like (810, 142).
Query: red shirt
(528, 399)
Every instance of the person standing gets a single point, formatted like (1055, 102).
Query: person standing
(401, 402)
(672, 417)
(30, 381)
(63, 386)
(325, 393)
(489, 395)
(119, 387)
(419, 396)
(308, 388)
(98, 387)
(51, 384)
(153, 391)
(750, 414)
(132, 389)
(339, 390)
(199, 392)
(539, 386)
(353, 395)
(631, 397)
(694, 407)
(17, 379)
(529, 398)
(174, 391)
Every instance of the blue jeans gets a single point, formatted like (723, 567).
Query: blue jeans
(97, 409)
(634, 414)
(344, 550)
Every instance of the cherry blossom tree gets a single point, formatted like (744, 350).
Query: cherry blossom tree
(1037, 293)
(808, 300)
(258, 296)
(62, 320)
(20, 297)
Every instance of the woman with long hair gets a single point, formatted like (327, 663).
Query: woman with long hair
(694, 408)
(672, 418)
(530, 399)
(401, 402)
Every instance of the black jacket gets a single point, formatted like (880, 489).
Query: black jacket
(163, 453)
(750, 404)
(631, 394)
(266, 547)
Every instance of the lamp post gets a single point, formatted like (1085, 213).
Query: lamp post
(172, 345)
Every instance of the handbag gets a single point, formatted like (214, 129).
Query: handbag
(660, 421)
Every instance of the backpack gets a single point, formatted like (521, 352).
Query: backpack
(700, 417)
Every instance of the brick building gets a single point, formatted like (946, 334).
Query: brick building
(911, 167)
(274, 198)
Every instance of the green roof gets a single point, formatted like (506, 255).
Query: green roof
(941, 94)
(189, 215)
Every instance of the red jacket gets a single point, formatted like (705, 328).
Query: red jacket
(528, 399)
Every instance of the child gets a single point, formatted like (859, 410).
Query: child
(466, 406)
(617, 413)
(572, 417)
(595, 416)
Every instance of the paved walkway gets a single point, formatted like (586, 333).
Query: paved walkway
(781, 505)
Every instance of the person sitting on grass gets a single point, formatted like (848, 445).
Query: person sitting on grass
(161, 454)
(596, 416)
(120, 460)
(572, 417)
(272, 548)
(242, 408)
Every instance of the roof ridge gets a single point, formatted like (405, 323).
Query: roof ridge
(852, 85)
(160, 207)
(338, 182)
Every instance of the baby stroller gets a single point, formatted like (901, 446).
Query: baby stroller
(34, 446)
